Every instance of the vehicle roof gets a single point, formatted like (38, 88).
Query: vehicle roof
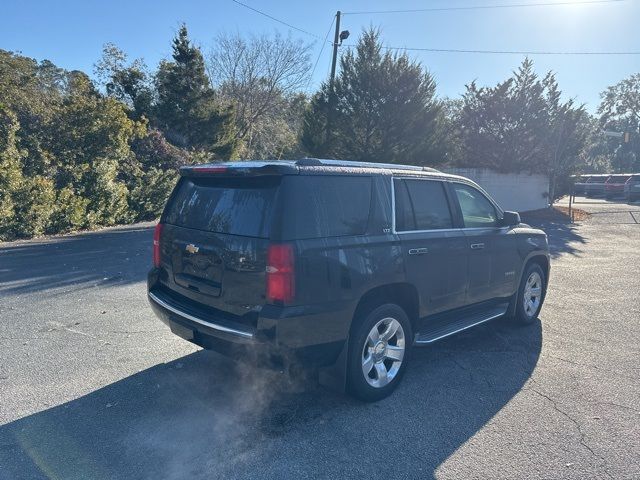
(316, 165)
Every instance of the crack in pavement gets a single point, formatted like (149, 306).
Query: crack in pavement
(575, 422)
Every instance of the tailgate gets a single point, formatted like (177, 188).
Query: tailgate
(223, 271)
(215, 239)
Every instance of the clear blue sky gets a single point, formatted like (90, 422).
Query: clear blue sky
(71, 34)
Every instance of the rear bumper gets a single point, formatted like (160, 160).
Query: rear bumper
(283, 335)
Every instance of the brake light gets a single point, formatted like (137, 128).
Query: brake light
(209, 169)
(280, 274)
(156, 244)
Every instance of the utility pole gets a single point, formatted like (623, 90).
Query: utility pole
(337, 41)
(336, 37)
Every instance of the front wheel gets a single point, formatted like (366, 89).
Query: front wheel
(378, 352)
(530, 295)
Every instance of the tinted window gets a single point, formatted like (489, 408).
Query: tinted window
(234, 206)
(477, 210)
(404, 211)
(421, 205)
(325, 206)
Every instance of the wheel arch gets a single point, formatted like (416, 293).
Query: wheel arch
(403, 294)
(543, 261)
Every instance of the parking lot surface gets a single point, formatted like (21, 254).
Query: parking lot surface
(92, 385)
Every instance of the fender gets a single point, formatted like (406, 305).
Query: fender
(535, 253)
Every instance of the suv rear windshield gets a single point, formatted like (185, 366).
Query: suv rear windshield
(236, 206)
(316, 206)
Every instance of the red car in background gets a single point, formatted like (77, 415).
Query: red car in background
(614, 186)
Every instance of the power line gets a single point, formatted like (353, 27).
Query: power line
(483, 7)
(502, 52)
(277, 19)
(324, 42)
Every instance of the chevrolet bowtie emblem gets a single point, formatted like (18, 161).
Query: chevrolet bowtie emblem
(191, 248)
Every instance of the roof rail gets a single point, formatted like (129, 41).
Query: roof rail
(319, 162)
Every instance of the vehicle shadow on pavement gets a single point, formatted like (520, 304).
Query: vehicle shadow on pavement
(564, 238)
(110, 257)
(203, 416)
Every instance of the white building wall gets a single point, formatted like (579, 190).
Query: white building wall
(518, 192)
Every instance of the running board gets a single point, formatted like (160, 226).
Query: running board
(444, 327)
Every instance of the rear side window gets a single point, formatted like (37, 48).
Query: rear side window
(477, 210)
(421, 205)
(316, 206)
(224, 205)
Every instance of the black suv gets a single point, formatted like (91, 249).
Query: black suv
(341, 266)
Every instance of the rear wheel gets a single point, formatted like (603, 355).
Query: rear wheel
(530, 295)
(378, 352)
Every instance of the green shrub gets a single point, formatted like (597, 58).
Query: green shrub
(34, 204)
(70, 213)
(147, 199)
(108, 197)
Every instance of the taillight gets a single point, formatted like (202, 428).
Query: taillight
(156, 244)
(280, 274)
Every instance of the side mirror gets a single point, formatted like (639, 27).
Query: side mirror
(510, 219)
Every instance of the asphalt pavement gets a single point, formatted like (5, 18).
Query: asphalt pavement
(92, 385)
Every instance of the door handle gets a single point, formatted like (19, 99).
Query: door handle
(477, 246)
(418, 251)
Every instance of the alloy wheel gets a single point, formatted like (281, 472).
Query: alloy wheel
(532, 294)
(383, 352)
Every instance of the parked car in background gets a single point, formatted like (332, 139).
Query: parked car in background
(614, 186)
(594, 186)
(580, 184)
(632, 188)
(344, 266)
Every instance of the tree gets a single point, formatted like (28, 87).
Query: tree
(385, 109)
(187, 110)
(91, 137)
(620, 111)
(567, 134)
(500, 126)
(522, 124)
(130, 83)
(10, 169)
(262, 76)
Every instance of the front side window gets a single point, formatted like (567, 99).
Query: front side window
(477, 210)
(421, 205)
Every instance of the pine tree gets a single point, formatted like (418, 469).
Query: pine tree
(187, 110)
(385, 109)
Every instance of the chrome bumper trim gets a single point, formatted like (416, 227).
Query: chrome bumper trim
(215, 326)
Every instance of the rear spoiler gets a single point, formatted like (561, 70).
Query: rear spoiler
(239, 169)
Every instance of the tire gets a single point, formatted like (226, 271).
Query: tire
(370, 351)
(534, 282)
